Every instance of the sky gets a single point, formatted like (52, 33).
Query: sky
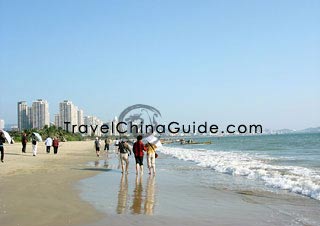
(224, 62)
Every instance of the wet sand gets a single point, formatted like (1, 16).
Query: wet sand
(40, 190)
(175, 198)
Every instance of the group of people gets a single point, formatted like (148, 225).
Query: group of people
(125, 151)
(138, 149)
(97, 145)
(49, 142)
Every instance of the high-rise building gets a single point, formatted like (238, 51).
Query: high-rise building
(24, 116)
(93, 120)
(40, 114)
(80, 117)
(57, 120)
(30, 116)
(68, 113)
(2, 124)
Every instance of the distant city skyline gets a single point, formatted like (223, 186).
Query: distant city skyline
(35, 116)
(68, 112)
(38, 115)
(219, 61)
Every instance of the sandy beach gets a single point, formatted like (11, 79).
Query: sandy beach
(39, 190)
(77, 188)
(218, 100)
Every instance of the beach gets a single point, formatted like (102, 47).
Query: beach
(221, 97)
(77, 188)
(40, 190)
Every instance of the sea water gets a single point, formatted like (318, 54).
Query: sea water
(278, 163)
(250, 180)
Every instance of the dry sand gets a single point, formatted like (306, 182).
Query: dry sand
(39, 190)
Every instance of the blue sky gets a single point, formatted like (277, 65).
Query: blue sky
(221, 61)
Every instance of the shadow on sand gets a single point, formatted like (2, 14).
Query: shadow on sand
(22, 154)
(95, 169)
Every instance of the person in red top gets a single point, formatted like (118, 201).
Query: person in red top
(138, 149)
(55, 145)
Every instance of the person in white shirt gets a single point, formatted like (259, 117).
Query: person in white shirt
(48, 143)
(34, 145)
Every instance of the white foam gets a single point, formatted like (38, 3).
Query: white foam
(296, 179)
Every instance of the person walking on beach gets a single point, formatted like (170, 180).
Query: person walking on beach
(34, 145)
(24, 141)
(2, 141)
(48, 143)
(151, 157)
(106, 144)
(125, 151)
(97, 146)
(55, 144)
(138, 149)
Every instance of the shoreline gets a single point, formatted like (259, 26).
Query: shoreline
(180, 195)
(77, 188)
(30, 190)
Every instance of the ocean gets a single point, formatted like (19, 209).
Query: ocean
(277, 163)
